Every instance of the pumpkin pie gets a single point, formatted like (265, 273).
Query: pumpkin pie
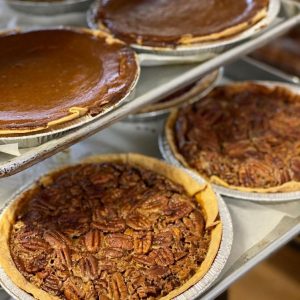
(163, 23)
(49, 77)
(114, 227)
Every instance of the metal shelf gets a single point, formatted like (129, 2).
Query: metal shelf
(179, 77)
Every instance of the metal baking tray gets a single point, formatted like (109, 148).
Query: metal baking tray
(166, 80)
(192, 293)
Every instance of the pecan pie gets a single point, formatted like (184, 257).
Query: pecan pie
(283, 53)
(50, 77)
(114, 227)
(244, 136)
(178, 22)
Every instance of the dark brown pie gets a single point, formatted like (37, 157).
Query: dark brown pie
(244, 136)
(49, 77)
(178, 22)
(116, 227)
(282, 53)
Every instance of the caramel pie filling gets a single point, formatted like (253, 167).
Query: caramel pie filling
(160, 22)
(245, 134)
(108, 231)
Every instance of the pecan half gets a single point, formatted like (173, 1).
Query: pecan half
(178, 207)
(73, 289)
(89, 267)
(116, 225)
(52, 284)
(64, 256)
(164, 238)
(138, 222)
(144, 260)
(164, 257)
(142, 242)
(92, 240)
(118, 287)
(56, 239)
(112, 253)
(119, 240)
(33, 244)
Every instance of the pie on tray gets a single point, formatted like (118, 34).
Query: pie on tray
(114, 227)
(163, 23)
(49, 77)
(282, 53)
(244, 136)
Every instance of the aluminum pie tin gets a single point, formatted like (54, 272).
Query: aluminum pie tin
(49, 7)
(192, 293)
(36, 139)
(203, 49)
(185, 99)
(168, 155)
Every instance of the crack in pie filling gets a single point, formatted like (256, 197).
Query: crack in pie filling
(118, 227)
(178, 22)
(244, 136)
(50, 77)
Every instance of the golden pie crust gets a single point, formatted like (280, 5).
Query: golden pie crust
(288, 120)
(156, 24)
(73, 73)
(202, 193)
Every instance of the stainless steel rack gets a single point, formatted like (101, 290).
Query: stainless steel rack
(171, 79)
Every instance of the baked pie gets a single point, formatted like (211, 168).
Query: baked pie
(282, 53)
(114, 227)
(49, 77)
(244, 136)
(163, 23)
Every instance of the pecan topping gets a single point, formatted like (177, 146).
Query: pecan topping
(116, 232)
(118, 287)
(233, 132)
(92, 240)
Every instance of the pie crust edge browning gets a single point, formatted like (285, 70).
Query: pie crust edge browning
(291, 186)
(203, 193)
